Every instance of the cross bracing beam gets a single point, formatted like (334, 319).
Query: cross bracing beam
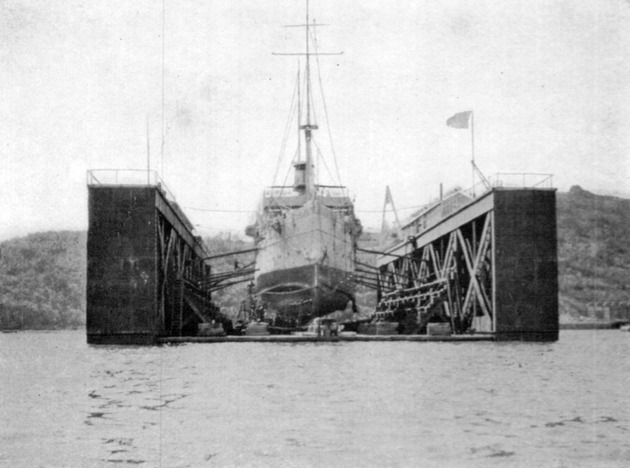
(444, 278)
(184, 278)
(497, 257)
(482, 205)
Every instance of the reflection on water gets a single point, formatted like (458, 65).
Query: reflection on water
(563, 404)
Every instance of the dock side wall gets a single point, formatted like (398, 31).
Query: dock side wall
(526, 265)
(122, 266)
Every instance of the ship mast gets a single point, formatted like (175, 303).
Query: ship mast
(308, 127)
(305, 170)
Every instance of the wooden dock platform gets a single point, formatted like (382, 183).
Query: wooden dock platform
(323, 339)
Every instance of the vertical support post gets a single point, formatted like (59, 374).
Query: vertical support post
(148, 154)
(163, 75)
(180, 307)
(474, 256)
(494, 272)
(472, 146)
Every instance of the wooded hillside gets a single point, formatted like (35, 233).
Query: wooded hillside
(42, 281)
(593, 250)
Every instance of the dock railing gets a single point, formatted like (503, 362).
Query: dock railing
(502, 180)
(507, 180)
(128, 178)
(457, 198)
(139, 178)
(521, 180)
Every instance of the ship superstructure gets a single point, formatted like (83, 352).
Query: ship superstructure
(306, 235)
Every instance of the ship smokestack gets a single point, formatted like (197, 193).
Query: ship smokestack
(299, 182)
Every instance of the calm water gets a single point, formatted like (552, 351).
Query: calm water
(566, 404)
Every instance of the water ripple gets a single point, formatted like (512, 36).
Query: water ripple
(345, 404)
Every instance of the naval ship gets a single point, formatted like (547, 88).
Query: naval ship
(305, 233)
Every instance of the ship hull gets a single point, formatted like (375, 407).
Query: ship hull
(294, 296)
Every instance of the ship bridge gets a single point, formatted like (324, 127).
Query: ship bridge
(278, 197)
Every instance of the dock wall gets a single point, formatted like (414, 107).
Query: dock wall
(526, 265)
(489, 264)
(122, 269)
(146, 271)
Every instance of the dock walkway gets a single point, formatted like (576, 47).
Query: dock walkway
(315, 339)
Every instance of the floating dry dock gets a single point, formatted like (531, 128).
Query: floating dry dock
(487, 261)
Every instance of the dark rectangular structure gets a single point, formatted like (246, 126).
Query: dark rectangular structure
(526, 265)
(147, 274)
(122, 270)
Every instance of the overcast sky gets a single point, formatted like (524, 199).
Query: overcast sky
(548, 81)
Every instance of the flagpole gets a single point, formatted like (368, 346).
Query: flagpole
(472, 146)
(148, 154)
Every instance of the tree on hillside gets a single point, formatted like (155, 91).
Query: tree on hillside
(42, 281)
